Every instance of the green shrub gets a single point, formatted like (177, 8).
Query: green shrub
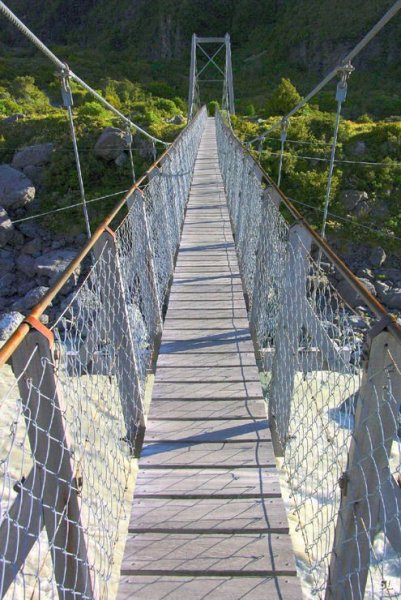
(212, 107)
(285, 97)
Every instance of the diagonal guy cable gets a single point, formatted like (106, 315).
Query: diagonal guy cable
(61, 67)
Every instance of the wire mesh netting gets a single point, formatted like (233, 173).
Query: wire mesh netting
(333, 393)
(73, 414)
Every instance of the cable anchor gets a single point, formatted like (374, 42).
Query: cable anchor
(344, 72)
(66, 92)
(284, 129)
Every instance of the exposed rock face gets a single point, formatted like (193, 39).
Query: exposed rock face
(111, 144)
(37, 155)
(16, 189)
(6, 227)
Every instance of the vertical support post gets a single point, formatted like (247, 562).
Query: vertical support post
(290, 323)
(368, 481)
(117, 328)
(229, 75)
(52, 487)
(192, 77)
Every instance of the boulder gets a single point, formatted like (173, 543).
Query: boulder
(362, 209)
(32, 247)
(24, 285)
(351, 198)
(144, 147)
(393, 299)
(16, 189)
(30, 229)
(53, 263)
(177, 120)
(359, 149)
(351, 296)
(39, 154)
(392, 274)
(7, 261)
(121, 159)
(35, 174)
(7, 284)
(377, 257)
(26, 264)
(12, 119)
(9, 323)
(30, 299)
(111, 144)
(382, 289)
(6, 227)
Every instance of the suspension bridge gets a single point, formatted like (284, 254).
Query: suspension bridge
(207, 340)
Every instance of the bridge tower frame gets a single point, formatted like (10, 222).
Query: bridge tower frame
(226, 75)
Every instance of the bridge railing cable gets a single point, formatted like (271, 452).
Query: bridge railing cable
(330, 357)
(74, 393)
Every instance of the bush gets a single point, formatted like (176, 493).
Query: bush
(212, 107)
(250, 110)
(285, 97)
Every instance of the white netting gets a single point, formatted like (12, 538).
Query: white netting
(73, 415)
(334, 423)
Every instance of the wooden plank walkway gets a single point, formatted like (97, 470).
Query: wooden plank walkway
(207, 519)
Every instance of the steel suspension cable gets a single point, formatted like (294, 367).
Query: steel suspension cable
(62, 66)
(347, 59)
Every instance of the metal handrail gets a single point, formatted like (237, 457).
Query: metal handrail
(372, 303)
(20, 333)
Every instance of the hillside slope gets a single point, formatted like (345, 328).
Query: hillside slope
(297, 38)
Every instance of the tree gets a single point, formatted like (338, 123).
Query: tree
(284, 98)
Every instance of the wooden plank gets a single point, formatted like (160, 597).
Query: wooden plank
(202, 390)
(202, 359)
(205, 323)
(190, 302)
(208, 374)
(212, 409)
(207, 347)
(210, 335)
(194, 311)
(218, 554)
(208, 514)
(207, 430)
(199, 587)
(168, 483)
(203, 455)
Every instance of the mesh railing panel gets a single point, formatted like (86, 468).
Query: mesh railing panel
(73, 414)
(334, 415)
